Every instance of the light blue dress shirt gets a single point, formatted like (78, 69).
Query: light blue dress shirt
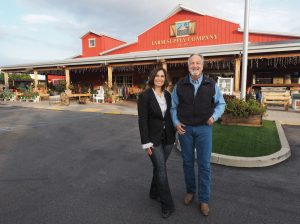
(218, 98)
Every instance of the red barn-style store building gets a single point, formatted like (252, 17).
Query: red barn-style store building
(273, 58)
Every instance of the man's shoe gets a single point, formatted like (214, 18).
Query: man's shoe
(204, 209)
(188, 198)
(166, 213)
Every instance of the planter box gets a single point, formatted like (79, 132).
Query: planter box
(253, 120)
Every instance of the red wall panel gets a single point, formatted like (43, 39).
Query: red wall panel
(209, 31)
(103, 43)
(266, 38)
(109, 43)
(86, 50)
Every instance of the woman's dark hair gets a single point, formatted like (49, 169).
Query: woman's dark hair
(152, 77)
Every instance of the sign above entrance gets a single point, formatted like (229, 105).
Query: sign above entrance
(184, 41)
(182, 28)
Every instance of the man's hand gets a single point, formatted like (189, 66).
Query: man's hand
(210, 121)
(180, 129)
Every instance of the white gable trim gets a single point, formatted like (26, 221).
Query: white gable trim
(271, 33)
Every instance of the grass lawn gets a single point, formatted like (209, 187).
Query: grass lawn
(246, 141)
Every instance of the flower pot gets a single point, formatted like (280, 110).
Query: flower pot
(252, 120)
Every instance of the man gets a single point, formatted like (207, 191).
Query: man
(197, 103)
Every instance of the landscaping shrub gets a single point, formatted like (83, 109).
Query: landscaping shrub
(240, 108)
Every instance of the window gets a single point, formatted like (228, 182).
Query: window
(123, 80)
(225, 85)
(92, 42)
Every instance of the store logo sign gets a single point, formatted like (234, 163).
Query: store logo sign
(182, 28)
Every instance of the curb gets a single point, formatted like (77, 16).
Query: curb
(87, 110)
(262, 161)
(118, 113)
(294, 123)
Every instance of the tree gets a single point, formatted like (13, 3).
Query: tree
(20, 77)
(1, 77)
(16, 77)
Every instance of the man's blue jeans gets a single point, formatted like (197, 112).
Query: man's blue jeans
(199, 137)
(160, 185)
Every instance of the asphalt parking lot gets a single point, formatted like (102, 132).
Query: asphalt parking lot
(77, 167)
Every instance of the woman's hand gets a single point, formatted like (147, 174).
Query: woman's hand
(149, 151)
(180, 129)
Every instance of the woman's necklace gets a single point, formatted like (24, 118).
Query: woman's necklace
(158, 92)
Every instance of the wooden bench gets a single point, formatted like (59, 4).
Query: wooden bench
(82, 97)
(44, 96)
(277, 99)
(54, 99)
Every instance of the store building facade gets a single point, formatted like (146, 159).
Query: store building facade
(273, 58)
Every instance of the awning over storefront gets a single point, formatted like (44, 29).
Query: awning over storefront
(266, 48)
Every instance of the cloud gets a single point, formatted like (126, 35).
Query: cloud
(113, 17)
(25, 51)
(277, 18)
(39, 19)
(56, 25)
(127, 19)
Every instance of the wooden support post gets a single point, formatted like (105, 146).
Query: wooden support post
(237, 74)
(36, 80)
(165, 65)
(46, 78)
(6, 82)
(109, 76)
(67, 74)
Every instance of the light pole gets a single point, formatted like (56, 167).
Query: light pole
(245, 50)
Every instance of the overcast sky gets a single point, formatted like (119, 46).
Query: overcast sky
(43, 30)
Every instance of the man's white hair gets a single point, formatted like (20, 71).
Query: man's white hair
(198, 54)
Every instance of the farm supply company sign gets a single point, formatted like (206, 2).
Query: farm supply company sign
(181, 32)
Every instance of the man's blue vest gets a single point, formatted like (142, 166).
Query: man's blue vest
(195, 110)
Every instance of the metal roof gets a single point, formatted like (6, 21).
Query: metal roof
(271, 33)
(177, 53)
(100, 35)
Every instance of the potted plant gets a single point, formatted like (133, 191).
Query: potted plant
(71, 88)
(240, 112)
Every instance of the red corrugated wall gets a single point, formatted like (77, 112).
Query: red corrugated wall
(103, 43)
(266, 38)
(109, 43)
(209, 31)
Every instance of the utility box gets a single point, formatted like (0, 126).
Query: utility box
(296, 101)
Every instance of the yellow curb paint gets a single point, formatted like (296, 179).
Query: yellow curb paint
(113, 112)
(91, 110)
(55, 108)
(297, 123)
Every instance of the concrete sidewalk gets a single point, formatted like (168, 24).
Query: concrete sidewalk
(290, 117)
(122, 107)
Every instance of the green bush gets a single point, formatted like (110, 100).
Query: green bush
(240, 108)
(60, 87)
(7, 95)
(29, 95)
(228, 97)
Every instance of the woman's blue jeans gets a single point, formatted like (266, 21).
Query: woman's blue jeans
(160, 185)
(199, 137)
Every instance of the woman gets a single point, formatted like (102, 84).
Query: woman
(157, 135)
